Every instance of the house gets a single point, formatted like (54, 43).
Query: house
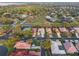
(34, 31)
(34, 53)
(64, 32)
(41, 32)
(66, 19)
(26, 26)
(71, 29)
(70, 48)
(63, 29)
(57, 32)
(24, 15)
(48, 17)
(72, 32)
(22, 45)
(76, 31)
(51, 19)
(52, 14)
(57, 48)
(49, 32)
(8, 15)
(20, 16)
(19, 52)
(77, 44)
(77, 34)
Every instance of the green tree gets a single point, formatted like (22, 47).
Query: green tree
(46, 44)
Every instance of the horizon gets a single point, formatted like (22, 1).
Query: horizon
(56, 3)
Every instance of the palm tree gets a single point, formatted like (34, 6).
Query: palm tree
(46, 44)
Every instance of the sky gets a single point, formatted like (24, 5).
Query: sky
(4, 4)
(17, 3)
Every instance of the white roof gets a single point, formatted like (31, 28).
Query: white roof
(55, 48)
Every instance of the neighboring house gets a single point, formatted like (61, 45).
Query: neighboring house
(57, 32)
(72, 32)
(34, 53)
(57, 48)
(70, 48)
(41, 32)
(64, 32)
(49, 32)
(76, 31)
(77, 44)
(63, 29)
(34, 30)
(23, 15)
(22, 45)
(54, 32)
(66, 19)
(8, 15)
(77, 35)
(20, 16)
(51, 19)
(25, 25)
